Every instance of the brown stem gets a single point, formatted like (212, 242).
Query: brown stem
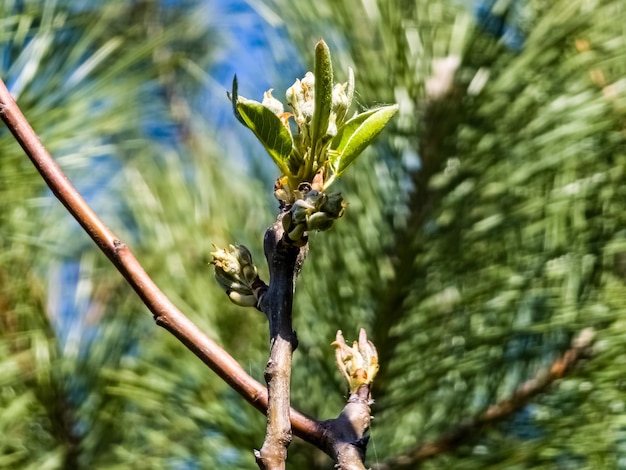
(165, 313)
(497, 412)
(284, 262)
(347, 434)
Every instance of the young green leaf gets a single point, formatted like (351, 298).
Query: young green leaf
(268, 128)
(234, 97)
(323, 91)
(356, 135)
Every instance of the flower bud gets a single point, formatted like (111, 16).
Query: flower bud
(359, 363)
(294, 96)
(334, 205)
(299, 212)
(315, 198)
(287, 221)
(235, 273)
(319, 221)
(272, 103)
(297, 232)
(341, 103)
(243, 300)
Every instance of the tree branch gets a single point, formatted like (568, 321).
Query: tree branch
(165, 313)
(498, 412)
(347, 434)
(284, 261)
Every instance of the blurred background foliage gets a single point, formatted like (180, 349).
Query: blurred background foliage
(485, 230)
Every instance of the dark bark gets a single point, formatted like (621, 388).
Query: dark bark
(284, 260)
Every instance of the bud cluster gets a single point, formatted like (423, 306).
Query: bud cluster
(311, 210)
(312, 139)
(309, 158)
(301, 99)
(236, 274)
(359, 363)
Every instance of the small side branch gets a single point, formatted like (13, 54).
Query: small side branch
(495, 413)
(348, 433)
(284, 261)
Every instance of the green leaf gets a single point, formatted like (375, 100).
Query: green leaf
(323, 91)
(268, 128)
(234, 97)
(356, 135)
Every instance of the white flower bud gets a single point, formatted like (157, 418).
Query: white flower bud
(272, 103)
(294, 96)
(341, 103)
(308, 86)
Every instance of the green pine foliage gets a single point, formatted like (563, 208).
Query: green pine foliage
(88, 380)
(483, 233)
(487, 232)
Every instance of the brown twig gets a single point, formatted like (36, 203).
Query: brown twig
(495, 413)
(165, 313)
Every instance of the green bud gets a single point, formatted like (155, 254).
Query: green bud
(334, 205)
(249, 273)
(297, 232)
(319, 221)
(287, 221)
(243, 300)
(299, 212)
(244, 257)
(235, 273)
(228, 282)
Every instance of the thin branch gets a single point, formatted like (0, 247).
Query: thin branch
(284, 261)
(498, 412)
(165, 313)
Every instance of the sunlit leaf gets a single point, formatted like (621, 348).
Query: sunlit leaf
(356, 135)
(268, 128)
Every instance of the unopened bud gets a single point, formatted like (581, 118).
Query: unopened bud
(297, 232)
(243, 300)
(334, 205)
(359, 363)
(235, 273)
(319, 221)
